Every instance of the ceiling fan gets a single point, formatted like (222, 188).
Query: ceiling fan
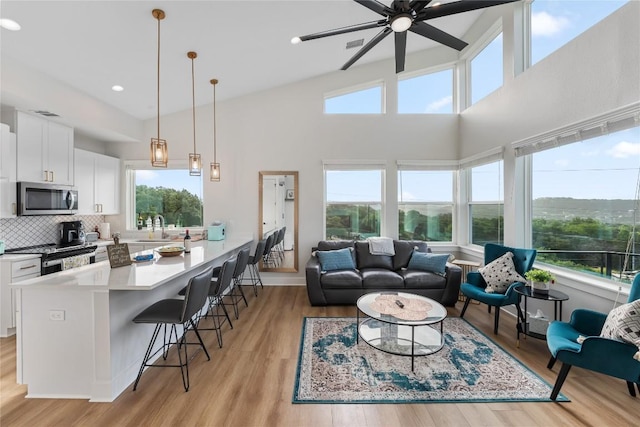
(403, 15)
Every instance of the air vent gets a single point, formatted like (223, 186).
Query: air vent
(355, 43)
(46, 113)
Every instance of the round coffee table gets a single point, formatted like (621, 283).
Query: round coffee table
(401, 323)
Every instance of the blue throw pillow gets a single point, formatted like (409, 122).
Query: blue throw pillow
(435, 263)
(339, 259)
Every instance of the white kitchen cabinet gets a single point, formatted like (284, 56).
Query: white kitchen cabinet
(15, 271)
(45, 150)
(97, 179)
(8, 177)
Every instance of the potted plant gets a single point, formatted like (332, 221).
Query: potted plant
(540, 280)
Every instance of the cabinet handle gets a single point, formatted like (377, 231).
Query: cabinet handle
(97, 209)
(51, 172)
(13, 208)
(46, 176)
(100, 207)
(28, 267)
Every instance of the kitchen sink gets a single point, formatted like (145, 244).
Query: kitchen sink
(153, 240)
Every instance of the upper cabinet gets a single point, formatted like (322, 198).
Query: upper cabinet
(7, 172)
(97, 179)
(45, 150)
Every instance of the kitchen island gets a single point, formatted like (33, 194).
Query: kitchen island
(75, 335)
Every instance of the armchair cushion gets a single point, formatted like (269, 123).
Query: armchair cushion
(623, 323)
(435, 263)
(500, 274)
(338, 259)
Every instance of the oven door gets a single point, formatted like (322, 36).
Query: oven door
(46, 199)
(66, 263)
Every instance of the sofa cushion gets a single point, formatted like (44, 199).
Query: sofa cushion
(341, 279)
(435, 263)
(404, 249)
(338, 259)
(623, 323)
(330, 245)
(366, 260)
(381, 278)
(416, 279)
(500, 273)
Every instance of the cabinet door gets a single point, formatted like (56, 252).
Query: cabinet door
(7, 173)
(107, 187)
(31, 148)
(84, 177)
(60, 151)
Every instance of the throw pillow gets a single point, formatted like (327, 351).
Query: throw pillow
(435, 263)
(623, 323)
(500, 273)
(339, 259)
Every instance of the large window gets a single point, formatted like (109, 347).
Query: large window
(369, 100)
(554, 23)
(353, 200)
(486, 204)
(486, 70)
(425, 205)
(585, 205)
(172, 193)
(426, 94)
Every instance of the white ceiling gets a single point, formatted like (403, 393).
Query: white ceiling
(92, 45)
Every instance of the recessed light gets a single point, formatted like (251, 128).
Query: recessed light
(9, 24)
(117, 88)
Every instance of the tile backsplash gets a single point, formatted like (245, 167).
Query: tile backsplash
(36, 230)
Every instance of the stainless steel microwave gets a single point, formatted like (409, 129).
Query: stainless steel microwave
(46, 199)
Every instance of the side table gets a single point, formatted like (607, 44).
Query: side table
(525, 291)
(467, 267)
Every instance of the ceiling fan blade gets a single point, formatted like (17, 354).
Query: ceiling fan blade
(431, 32)
(367, 47)
(344, 30)
(401, 50)
(458, 7)
(418, 5)
(401, 5)
(376, 6)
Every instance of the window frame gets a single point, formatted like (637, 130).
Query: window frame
(381, 83)
(426, 71)
(474, 50)
(130, 167)
(362, 165)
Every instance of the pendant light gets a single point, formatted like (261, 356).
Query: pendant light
(159, 155)
(195, 161)
(214, 168)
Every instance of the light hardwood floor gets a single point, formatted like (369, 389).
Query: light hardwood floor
(249, 382)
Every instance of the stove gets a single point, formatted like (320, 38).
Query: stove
(53, 255)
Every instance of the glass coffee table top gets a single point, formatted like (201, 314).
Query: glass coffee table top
(417, 310)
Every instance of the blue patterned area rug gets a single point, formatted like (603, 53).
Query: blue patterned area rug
(332, 368)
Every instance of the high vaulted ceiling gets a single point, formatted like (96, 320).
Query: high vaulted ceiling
(92, 45)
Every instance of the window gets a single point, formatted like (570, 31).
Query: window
(486, 70)
(172, 193)
(554, 23)
(486, 205)
(585, 208)
(353, 200)
(427, 94)
(358, 101)
(425, 205)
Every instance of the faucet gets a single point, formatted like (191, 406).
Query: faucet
(164, 235)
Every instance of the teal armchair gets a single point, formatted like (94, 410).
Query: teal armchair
(474, 288)
(604, 355)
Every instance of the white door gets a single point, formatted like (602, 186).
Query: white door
(31, 148)
(60, 140)
(269, 204)
(107, 183)
(7, 172)
(84, 179)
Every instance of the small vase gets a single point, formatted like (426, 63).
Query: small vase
(540, 287)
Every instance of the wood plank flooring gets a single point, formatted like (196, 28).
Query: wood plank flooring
(249, 382)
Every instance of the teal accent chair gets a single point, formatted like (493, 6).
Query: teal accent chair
(604, 355)
(474, 288)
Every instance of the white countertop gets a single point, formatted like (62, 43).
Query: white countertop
(137, 276)
(17, 257)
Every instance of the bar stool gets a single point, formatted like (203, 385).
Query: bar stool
(216, 290)
(252, 265)
(236, 293)
(266, 255)
(175, 312)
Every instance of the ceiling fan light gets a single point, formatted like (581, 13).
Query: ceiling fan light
(401, 22)
(296, 40)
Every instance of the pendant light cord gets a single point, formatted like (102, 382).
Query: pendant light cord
(192, 55)
(158, 87)
(214, 123)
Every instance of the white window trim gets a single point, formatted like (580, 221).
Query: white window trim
(352, 165)
(472, 51)
(130, 166)
(358, 88)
